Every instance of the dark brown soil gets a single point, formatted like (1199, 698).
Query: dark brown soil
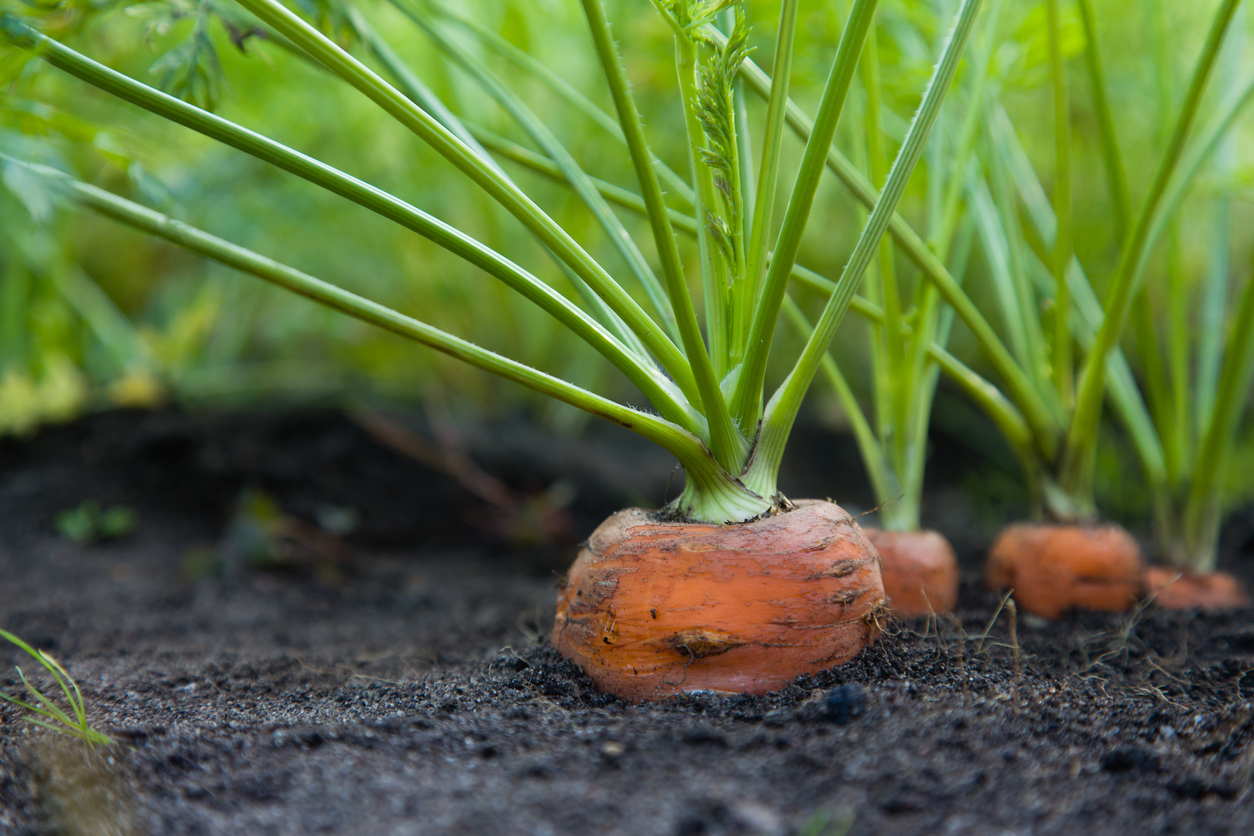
(402, 681)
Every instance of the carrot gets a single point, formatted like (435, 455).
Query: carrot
(1055, 567)
(653, 608)
(920, 571)
(1181, 589)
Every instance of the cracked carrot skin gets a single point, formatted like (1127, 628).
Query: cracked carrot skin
(920, 571)
(1053, 568)
(653, 608)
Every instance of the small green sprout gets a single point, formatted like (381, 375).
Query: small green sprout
(827, 823)
(89, 523)
(56, 719)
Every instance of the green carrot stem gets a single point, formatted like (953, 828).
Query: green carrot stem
(484, 175)
(781, 411)
(1061, 359)
(768, 173)
(726, 442)
(710, 485)
(1204, 506)
(1079, 450)
(1044, 422)
(747, 399)
(1116, 175)
(670, 402)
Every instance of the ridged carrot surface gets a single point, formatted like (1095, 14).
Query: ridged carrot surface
(654, 608)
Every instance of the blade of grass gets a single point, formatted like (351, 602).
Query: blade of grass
(64, 680)
(61, 722)
(45, 706)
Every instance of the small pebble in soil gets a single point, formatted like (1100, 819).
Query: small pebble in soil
(843, 703)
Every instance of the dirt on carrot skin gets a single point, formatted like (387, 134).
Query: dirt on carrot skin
(412, 690)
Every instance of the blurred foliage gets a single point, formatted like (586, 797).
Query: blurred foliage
(89, 523)
(92, 314)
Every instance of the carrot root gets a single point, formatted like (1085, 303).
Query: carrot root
(920, 571)
(654, 608)
(1053, 568)
(1181, 589)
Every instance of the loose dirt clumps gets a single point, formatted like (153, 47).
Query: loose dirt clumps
(416, 692)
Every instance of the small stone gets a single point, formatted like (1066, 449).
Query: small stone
(843, 703)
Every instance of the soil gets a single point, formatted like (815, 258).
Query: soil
(395, 676)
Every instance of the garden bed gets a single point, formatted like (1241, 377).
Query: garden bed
(400, 680)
